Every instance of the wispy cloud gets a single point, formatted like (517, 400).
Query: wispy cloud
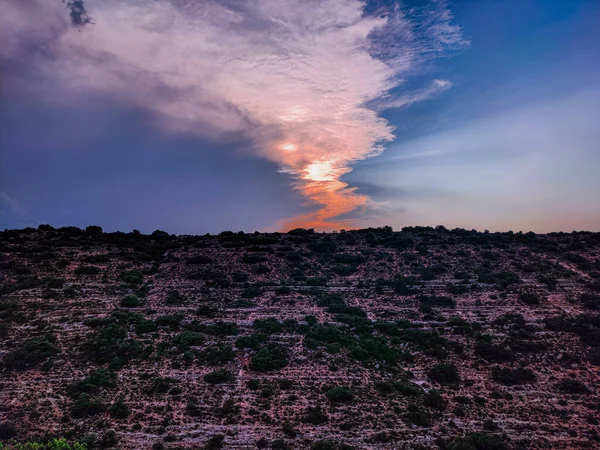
(299, 78)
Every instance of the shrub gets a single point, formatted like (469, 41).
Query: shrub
(477, 441)
(260, 269)
(130, 301)
(95, 380)
(7, 429)
(146, 326)
(433, 399)
(339, 394)
(219, 376)
(418, 415)
(512, 377)
(253, 341)
(529, 298)
(444, 374)
(591, 301)
(268, 326)
(87, 270)
(251, 292)
(187, 339)
(118, 410)
(54, 444)
(174, 298)
(218, 355)
(215, 442)
(271, 357)
(198, 259)
(86, 406)
(133, 277)
(490, 425)
(31, 354)
(253, 258)
(493, 353)
(315, 415)
(571, 386)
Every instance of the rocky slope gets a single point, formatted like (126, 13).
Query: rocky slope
(424, 338)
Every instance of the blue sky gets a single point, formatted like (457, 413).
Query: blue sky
(505, 133)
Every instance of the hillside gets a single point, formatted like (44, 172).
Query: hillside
(366, 339)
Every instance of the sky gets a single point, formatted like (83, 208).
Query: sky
(202, 116)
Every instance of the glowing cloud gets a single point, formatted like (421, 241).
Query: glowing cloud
(295, 76)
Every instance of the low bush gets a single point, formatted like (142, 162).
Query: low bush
(511, 377)
(446, 374)
(339, 394)
(219, 376)
(269, 358)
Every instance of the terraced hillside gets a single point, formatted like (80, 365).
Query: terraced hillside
(367, 339)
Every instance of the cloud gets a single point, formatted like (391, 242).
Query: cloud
(298, 77)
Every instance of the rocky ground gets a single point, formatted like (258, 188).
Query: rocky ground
(367, 339)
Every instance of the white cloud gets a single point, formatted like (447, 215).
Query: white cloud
(292, 75)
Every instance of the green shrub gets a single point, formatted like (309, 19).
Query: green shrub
(512, 377)
(418, 415)
(269, 358)
(130, 301)
(477, 441)
(339, 394)
(133, 277)
(529, 298)
(217, 355)
(215, 442)
(446, 374)
(433, 399)
(31, 354)
(253, 341)
(86, 406)
(174, 298)
(268, 326)
(571, 386)
(187, 339)
(219, 376)
(493, 353)
(119, 410)
(8, 429)
(54, 444)
(315, 415)
(87, 270)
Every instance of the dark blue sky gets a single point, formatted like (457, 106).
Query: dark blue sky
(513, 144)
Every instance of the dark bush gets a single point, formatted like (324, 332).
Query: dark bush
(477, 441)
(511, 377)
(86, 406)
(187, 339)
(119, 410)
(7, 429)
(130, 301)
(529, 298)
(446, 374)
(571, 386)
(32, 353)
(493, 353)
(174, 298)
(315, 415)
(339, 394)
(269, 358)
(591, 301)
(219, 376)
(418, 415)
(268, 326)
(87, 270)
